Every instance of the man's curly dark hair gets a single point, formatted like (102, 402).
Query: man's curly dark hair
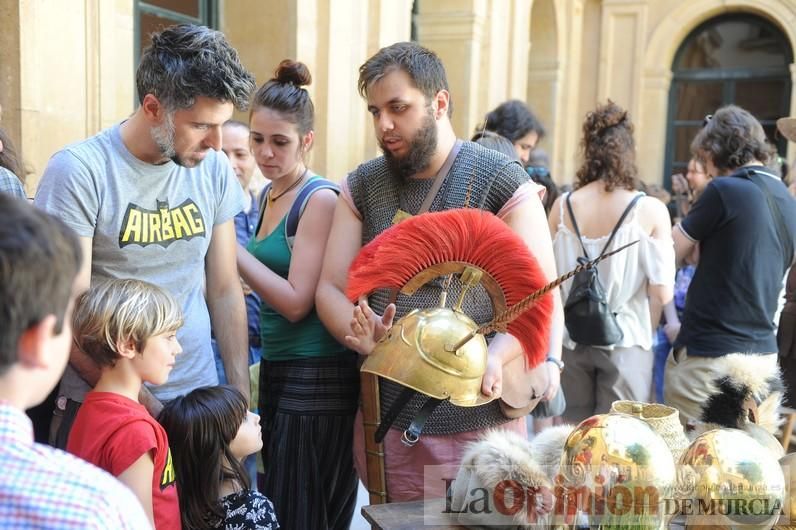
(609, 151)
(731, 138)
(188, 61)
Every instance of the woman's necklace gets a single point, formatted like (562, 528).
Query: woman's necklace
(272, 199)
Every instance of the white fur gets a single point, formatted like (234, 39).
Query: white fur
(548, 446)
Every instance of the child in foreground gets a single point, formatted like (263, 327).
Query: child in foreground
(212, 431)
(128, 327)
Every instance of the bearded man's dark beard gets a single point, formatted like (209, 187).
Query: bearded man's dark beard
(421, 150)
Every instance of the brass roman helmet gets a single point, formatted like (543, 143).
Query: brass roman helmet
(426, 351)
(439, 351)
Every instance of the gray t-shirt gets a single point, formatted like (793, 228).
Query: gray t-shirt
(148, 222)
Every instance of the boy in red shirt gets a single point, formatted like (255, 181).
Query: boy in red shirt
(128, 327)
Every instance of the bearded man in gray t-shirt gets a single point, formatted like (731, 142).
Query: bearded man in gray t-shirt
(153, 198)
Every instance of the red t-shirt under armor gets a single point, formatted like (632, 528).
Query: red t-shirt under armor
(112, 432)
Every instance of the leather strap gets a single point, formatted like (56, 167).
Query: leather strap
(627, 211)
(412, 434)
(392, 414)
(784, 236)
(440, 178)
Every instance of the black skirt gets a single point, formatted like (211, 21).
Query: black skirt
(307, 410)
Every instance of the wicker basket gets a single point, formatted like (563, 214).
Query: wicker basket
(664, 420)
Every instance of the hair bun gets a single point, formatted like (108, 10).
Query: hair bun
(293, 72)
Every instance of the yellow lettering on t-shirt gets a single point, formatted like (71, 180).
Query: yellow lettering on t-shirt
(161, 226)
(132, 228)
(167, 478)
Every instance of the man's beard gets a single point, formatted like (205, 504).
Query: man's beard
(421, 149)
(163, 136)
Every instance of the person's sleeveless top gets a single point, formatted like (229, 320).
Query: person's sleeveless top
(490, 179)
(281, 339)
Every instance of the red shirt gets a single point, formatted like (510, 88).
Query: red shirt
(112, 432)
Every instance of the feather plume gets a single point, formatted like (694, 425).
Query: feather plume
(473, 236)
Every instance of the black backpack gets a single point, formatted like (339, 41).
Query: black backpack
(587, 315)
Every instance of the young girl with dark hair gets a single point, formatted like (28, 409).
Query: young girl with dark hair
(211, 432)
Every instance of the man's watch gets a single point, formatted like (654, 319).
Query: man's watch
(557, 362)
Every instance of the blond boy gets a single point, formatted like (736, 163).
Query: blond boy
(129, 328)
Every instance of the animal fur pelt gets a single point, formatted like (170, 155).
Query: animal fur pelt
(548, 446)
(498, 459)
(741, 381)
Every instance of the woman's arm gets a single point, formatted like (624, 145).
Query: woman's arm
(294, 297)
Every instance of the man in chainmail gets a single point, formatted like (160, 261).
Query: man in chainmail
(425, 168)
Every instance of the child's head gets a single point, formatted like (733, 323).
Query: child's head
(129, 319)
(210, 430)
(39, 260)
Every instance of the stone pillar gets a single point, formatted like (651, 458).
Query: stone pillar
(569, 18)
(544, 76)
(623, 36)
(519, 47)
(61, 90)
(653, 114)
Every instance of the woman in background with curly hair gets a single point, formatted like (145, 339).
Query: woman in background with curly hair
(637, 281)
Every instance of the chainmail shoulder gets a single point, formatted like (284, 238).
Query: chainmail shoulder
(491, 179)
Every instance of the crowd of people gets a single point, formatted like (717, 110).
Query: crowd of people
(183, 323)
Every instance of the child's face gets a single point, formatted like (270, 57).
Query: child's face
(156, 361)
(249, 439)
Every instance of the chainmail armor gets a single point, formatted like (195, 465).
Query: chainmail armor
(377, 194)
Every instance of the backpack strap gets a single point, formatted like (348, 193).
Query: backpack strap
(575, 227)
(620, 221)
(297, 208)
(783, 235)
(613, 232)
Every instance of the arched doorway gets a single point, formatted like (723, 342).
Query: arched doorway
(738, 58)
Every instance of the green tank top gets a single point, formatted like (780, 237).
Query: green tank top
(281, 339)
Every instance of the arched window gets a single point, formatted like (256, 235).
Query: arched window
(739, 58)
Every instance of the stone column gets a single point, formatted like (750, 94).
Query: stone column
(653, 114)
(56, 91)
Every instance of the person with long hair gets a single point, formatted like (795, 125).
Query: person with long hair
(638, 281)
(212, 432)
(309, 383)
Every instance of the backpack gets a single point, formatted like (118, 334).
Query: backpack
(587, 315)
(297, 208)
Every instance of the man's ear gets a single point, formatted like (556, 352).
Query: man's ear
(33, 346)
(153, 109)
(442, 101)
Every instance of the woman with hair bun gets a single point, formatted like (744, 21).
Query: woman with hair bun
(309, 383)
(638, 281)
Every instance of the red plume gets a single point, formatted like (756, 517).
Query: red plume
(470, 235)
